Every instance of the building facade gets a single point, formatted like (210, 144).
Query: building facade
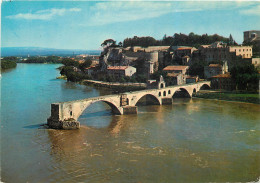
(176, 69)
(121, 71)
(185, 51)
(219, 52)
(222, 81)
(251, 35)
(215, 69)
(176, 79)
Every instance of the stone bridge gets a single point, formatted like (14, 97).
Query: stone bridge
(64, 115)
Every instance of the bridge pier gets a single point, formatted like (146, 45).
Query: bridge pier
(64, 115)
(166, 101)
(70, 124)
(130, 110)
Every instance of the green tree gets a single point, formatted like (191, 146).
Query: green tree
(245, 76)
(69, 62)
(7, 64)
(108, 43)
(85, 64)
(197, 68)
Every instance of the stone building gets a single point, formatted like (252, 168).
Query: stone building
(153, 84)
(176, 69)
(222, 81)
(192, 79)
(256, 62)
(220, 52)
(176, 78)
(184, 51)
(91, 70)
(121, 71)
(215, 69)
(185, 60)
(251, 35)
(147, 49)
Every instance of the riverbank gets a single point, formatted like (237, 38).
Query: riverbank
(5, 65)
(116, 86)
(229, 96)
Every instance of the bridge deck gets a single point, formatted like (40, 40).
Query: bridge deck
(134, 92)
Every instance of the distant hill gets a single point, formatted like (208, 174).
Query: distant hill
(37, 51)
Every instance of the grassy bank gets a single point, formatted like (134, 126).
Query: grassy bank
(230, 96)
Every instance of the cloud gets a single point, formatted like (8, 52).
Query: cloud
(255, 10)
(113, 12)
(43, 14)
(118, 11)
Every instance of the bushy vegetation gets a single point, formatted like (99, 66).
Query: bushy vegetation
(177, 40)
(5, 64)
(48, 59)
(8, 62)
(70, 69)
(246, 77)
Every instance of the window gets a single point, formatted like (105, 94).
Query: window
(164, 93)
(169, 92)
(239, 50)
(162, 85)
(159, 94)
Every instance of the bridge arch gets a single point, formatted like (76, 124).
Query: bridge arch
(204, 86)
(113, 107)
(182, 93)
(150, 98)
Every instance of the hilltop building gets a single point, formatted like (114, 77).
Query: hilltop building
(222, 81)
(251, 35)
(176, 69)
(185, 51)
(221, 52)
(176, 78)
(215, 69)
(121, 71)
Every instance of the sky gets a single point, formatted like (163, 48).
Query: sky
(86, 24)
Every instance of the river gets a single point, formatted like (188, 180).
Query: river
(193, 140)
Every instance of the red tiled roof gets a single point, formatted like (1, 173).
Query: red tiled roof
(117, 67)
(175, 67)
(184, 48)
(215, 65)
(227, 75)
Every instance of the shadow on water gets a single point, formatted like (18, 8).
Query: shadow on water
(38, 126)
(97, 114)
